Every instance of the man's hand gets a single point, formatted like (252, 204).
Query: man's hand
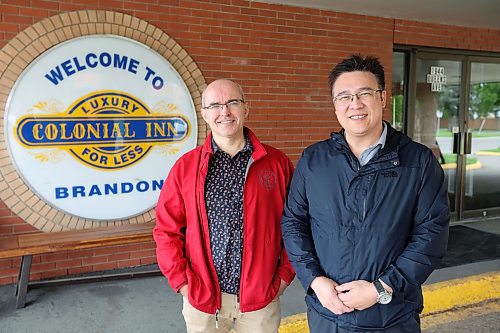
(282, 288)
(358, 294)
(327, 295)
(184, 290)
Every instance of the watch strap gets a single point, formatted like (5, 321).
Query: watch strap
(380, 288)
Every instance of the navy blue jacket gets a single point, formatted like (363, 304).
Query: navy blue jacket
(387, 219)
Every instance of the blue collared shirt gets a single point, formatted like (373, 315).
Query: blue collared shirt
(369, 152)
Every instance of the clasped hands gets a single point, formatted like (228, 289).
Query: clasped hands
(343, 298)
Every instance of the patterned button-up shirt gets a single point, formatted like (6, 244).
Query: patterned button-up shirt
(224, 202)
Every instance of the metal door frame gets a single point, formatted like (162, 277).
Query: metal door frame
(466, 58)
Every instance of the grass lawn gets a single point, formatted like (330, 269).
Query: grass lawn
(452, 158)
(444, 132)
(497, 150)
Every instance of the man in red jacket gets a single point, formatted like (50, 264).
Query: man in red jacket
(217, 232)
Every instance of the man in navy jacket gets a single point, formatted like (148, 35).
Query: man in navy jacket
(367, 214)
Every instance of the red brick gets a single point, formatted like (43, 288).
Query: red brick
(80, 254)
(34, 12)
(11, 220)
(16, 2)
(8, 272)
(67, 7)
(7, 280)
(37, 268)
(4, 212)
(104, 267)
(129, 263)
(34, 276)
(68, 263)
(9, 27)
(148, 245)
(111, 4)
(35, 260)
(143, 253)
(94, 260)
(7, 9)
(133, 248)
(148, 261)
(119, 256)
(57, 256)
(80, 270)
(53, 273)
(6, 230)
(45, 4)
(23, 228)
(16, 19)
(88, 3)
(105, 250)
(6, 262)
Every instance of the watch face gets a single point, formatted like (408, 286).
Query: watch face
(384, 298)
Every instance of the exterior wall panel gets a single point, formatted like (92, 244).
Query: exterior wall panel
(280, 54)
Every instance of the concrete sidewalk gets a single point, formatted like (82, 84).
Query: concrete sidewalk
(148, 304)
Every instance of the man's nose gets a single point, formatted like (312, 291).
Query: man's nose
(356, 102)
(224, 109)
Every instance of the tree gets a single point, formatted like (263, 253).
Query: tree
(484, 98)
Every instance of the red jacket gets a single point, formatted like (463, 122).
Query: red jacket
(182, 236)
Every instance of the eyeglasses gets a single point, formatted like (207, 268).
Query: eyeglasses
(365, 96)
(231, 104)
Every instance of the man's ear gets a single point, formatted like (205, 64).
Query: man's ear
(247, 111)
(203, 114)
(383, 94)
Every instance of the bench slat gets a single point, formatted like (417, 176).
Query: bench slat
(38, 243)
(8, 244)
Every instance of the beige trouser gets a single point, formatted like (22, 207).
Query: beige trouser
(266, 320)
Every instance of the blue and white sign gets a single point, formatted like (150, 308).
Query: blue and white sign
(94, 124)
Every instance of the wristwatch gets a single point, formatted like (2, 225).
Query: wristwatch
(383, 296)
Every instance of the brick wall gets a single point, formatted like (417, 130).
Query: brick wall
(281, 55)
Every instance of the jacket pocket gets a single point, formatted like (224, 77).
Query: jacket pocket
(371, 318)
(379, 316)
(195, 290)
(323, 229)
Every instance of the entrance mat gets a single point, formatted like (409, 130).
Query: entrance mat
(467, 245)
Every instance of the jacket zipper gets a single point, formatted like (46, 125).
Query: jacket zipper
(364, 208)
(217, 319)
(200, 209)
(250, 162)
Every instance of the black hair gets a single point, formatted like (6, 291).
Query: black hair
(357, 63)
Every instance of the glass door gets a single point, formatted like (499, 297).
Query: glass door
(436, 117)
(482, 183)
(454, 109)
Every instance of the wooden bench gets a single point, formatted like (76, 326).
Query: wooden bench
(27, 245)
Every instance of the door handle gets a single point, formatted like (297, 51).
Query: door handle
(462, 143)
(467, 143)
(456, 143)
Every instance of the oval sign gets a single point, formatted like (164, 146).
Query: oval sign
(94, 124)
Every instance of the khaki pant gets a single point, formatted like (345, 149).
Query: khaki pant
(266, 320)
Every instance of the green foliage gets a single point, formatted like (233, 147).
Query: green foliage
(443, 132)
(449, 100)
(484, 98)
(452, 158)
(397, 104)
